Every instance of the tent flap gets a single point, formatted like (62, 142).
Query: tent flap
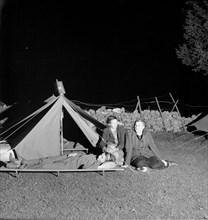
(44, 138)
(91, 135)
(201, 124)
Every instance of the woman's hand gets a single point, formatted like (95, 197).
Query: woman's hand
(111, 148)
(165, 162)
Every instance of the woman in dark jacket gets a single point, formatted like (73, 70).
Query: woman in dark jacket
(142, 152)
(113, 134)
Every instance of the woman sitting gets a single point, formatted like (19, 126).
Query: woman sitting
(142, 152)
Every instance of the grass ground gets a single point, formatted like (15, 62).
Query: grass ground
(179, 192)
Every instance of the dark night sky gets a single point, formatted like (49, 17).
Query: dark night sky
(103, 51)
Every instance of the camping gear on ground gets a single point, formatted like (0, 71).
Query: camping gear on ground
(107, 165)
(6, 152)
(71, 161)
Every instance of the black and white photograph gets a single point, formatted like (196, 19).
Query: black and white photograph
(104, 110)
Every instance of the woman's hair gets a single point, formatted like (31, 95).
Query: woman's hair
(108, 156)
(140, 120)
(110, 118)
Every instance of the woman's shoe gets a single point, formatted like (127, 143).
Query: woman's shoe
(143, 169)
(124, 166)
(171, 163)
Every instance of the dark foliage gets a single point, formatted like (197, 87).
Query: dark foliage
(194, 51)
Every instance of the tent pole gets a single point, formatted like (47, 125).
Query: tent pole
(61, 131)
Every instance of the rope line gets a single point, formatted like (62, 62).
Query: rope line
(119, 103)
(142, 100)
(19, 126)
(195, 138)
(125, 105)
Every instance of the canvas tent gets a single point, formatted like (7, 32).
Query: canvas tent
(201, 123)
(41, 133)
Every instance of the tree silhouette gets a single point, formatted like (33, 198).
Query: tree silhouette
(194, 51)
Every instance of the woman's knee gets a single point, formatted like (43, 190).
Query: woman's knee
(140, 162)
(156, 163)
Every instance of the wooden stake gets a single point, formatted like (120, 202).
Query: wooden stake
(175, 105)
(138, 105)
(140, 108)
(160, 111)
